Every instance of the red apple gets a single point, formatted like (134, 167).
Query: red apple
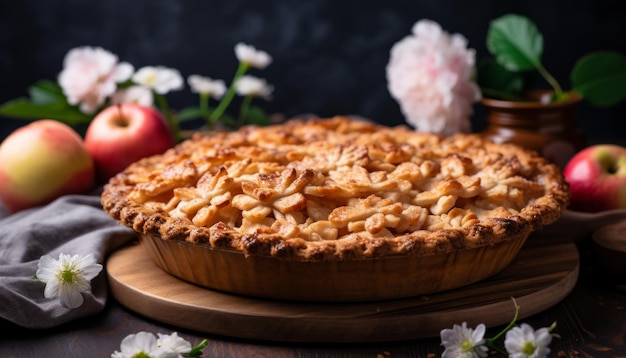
(122, 134)
(597, 178)
(42, 161)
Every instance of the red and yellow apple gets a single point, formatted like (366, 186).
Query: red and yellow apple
(597, 178)
(42, 161)
(122, 134)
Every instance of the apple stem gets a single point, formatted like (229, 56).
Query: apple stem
(121, 119)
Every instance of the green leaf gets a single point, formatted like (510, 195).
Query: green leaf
(25, 109)
(515, 42)
(228, 120)
(46, 101)
(600, 77)
(496, 81)
(257, 116)
(45, 92)
(189, 113)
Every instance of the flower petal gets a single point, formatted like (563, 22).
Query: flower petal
(160, 79)
(173, 342)
(253, 86)
(251, 56)
(123, 71)
(207, 86)
(139, 342)
(134, 94)
(70, 297)
(430, 74)
(88, 77)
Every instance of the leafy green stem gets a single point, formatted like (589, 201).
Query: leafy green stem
(490, 341)
(558, 91)
(243, 111)
(204, 108)
(197, 350)
(204, 102)
(228, 97)
(165, 109)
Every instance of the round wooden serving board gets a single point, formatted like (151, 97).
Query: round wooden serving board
(538, 278)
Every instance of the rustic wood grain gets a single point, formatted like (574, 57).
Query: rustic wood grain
(538, 278)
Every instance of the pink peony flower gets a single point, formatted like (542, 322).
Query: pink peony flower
(430, 73)
(90, 75)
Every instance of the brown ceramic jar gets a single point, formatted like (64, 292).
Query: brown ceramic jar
(547, 127)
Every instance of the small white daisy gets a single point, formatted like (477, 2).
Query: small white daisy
(134, 94)
(463, 342)
(251, 56)
(143, 344)
(253, 86)
(68, 277)
(525, 342)
(160, 79)
(207, 86)
(173, 343)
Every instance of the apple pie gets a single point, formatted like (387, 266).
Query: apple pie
(306, 209)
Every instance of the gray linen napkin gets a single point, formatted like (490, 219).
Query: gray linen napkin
(72, 224)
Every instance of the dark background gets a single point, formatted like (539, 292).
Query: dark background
(329, 56)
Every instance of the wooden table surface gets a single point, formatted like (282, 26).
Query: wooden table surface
(591, 321)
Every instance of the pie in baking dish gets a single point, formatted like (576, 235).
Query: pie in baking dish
(338, 190)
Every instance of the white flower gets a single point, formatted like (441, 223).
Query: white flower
(173, 343)
(251, 56)
(134, 94)
(253, 86)
(67, 277)
(143, 344)
(430, 73)
(90, 75)
(207, 86)
(463, 342)
(524, 342)
(160, 79)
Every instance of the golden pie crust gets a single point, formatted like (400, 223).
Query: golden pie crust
(338, 189)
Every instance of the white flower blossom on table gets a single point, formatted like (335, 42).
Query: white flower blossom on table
(253, 86)
(206, 86)
(143, 344)
(249, 55)
(173, 343)
(160, 79)
(90, 75)
(68, 277)
(134, 94)
(463, 342)
(430, 74)
(146, 345)
(525, 342)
